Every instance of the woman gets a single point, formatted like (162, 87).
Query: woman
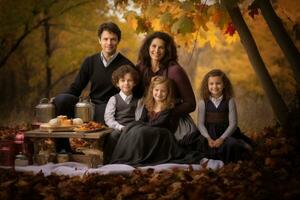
(158, 56)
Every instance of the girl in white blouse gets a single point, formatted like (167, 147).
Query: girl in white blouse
(218, 119)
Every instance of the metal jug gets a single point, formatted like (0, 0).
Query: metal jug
(84, 109)
(44, 111)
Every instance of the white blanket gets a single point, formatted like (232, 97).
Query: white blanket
(78, 169)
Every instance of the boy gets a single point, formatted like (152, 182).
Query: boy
(121, 108)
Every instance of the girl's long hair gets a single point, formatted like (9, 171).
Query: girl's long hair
(227, 91)
(169, 101)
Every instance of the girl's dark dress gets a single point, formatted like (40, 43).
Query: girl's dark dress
(216, 122)
(149, 142)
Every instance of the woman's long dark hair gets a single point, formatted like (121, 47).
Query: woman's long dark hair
(170, 50)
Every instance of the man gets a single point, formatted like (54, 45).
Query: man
(97, 69)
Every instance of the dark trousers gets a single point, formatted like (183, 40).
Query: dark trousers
(65, 105)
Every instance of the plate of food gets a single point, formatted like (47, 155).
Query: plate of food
(61, 123)
(89, 127)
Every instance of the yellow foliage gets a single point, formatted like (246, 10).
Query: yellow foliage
(187, 41)
(156, 25)
(171, 7)
(201, 39)
(131, 19)
(151, 11)
(200, 21)
(165, 6)
(232, 39)
(211, 35)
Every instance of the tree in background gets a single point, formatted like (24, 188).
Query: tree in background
(283, 39)
(44, 44)
(186, 20)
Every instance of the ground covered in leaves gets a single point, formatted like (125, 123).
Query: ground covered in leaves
(272, 173)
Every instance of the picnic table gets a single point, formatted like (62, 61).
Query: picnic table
(33, 137)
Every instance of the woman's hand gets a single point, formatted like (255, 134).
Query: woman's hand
(219, 142)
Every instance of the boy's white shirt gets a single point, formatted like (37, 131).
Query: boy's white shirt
(110, 110)
(126, 98)
(232, 117)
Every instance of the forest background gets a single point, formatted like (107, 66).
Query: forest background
(43, 43)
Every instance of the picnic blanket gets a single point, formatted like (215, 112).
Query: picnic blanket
(79, 169)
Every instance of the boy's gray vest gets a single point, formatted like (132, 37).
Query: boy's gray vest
(125, 113)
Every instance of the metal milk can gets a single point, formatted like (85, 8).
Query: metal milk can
(44, 111)
(84, 109)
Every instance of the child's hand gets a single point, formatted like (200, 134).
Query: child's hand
(218, 142)
(211, 143)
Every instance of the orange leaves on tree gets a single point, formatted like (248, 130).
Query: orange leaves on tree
(200, 6)
(200, 21)
(187, 7)
(182, 18)
(216, 17)
(171, 7)
(131, 19)
(156, 25)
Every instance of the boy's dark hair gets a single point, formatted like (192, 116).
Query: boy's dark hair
(121, 71)
(111, 27)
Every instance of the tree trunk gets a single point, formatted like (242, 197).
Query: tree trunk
(283, 39)
(278, 105)
(47, 41)
(29, 29)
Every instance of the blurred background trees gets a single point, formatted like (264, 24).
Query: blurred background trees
(44, 42)
(42, 46)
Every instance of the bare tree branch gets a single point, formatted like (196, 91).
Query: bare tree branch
(72, 7)
(28, 30)
(25, 33)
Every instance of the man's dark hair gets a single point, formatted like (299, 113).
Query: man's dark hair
(111, 27)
